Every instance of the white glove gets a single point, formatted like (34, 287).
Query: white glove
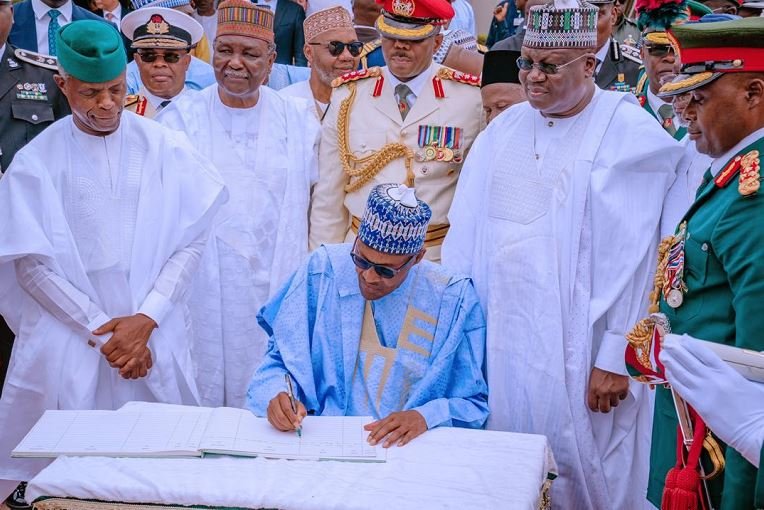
(731, 406)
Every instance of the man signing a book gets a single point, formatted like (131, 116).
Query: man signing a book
(370, 328)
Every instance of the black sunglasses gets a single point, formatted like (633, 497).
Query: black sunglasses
(170, 57)
(386, 272)
(659, 50)
(337, 47)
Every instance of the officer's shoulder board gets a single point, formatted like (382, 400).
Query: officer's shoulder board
(630, 52)
(360, 74)
(131, 99)
(748, 166)
(37, 59)
(445, 73)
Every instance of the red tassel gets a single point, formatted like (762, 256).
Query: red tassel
(683, 489)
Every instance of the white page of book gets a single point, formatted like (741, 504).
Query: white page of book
(323, 437)
(110, 433)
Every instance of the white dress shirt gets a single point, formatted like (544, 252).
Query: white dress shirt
(42, 20)
(415, 84)
(116, 15)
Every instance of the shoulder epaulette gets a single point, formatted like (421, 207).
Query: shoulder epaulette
(360, 74)
(748, 165)
(370, 46)
(131, 99)
(631, 53)
(642, 85)
(38, 59)
(445, 73)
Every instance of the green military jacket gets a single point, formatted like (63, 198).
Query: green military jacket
(724, 274)
(642, 86)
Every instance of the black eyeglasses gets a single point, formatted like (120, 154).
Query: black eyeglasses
(525, 64)
(386, 272)
(659, 50)
(337, 47)
(170, 57)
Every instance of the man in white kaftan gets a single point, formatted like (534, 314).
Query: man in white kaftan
(557, 230)
(103, 220)
(332, 49)
(265, 151)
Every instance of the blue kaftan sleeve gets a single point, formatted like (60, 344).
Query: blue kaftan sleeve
(288, 319)
(457, 371)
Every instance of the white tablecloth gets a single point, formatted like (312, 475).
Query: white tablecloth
(443, 468)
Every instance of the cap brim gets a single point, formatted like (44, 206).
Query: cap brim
(141, 16)
(684, 83)
(394, 29)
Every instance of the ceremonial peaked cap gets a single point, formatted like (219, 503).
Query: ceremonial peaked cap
(91, 50)
(709, 50)
(500, 66)
(159, 27)
(413, 19)
(395, 220)
(654, 17)
(562, 24)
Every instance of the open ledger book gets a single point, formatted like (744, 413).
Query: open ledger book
(194, 432)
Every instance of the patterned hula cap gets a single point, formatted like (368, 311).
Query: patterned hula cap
(242, 17)
(395, 220)
(562, 24)
(169, 4)
(325, 20)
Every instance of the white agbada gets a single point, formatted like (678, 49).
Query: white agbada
(267, 157)
(93, 228)
(560, 250)
(302, 90)
(681, 195)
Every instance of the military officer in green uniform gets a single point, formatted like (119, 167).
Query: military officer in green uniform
(29, 102)
(711, 275)
(658, 56)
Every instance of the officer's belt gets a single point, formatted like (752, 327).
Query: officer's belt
(434, 237)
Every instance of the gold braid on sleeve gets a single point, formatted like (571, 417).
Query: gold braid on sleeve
(640, 336)
(362, 170)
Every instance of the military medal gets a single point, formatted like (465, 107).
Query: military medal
(439, 143)
(673, 274)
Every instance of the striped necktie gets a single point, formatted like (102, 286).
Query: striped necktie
(666, 111)
(405, 98)
(53, 27)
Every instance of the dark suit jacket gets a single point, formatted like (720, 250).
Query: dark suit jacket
(127, 8)
(287, 25)
(513, 42)
(612, 67)
(24, 31)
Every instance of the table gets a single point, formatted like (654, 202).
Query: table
(444, 468)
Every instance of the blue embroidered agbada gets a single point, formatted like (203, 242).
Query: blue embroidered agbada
(420, 347)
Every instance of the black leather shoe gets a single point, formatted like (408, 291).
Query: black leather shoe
(16, 500)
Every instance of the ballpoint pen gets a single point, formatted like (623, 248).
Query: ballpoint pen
(292, 402)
